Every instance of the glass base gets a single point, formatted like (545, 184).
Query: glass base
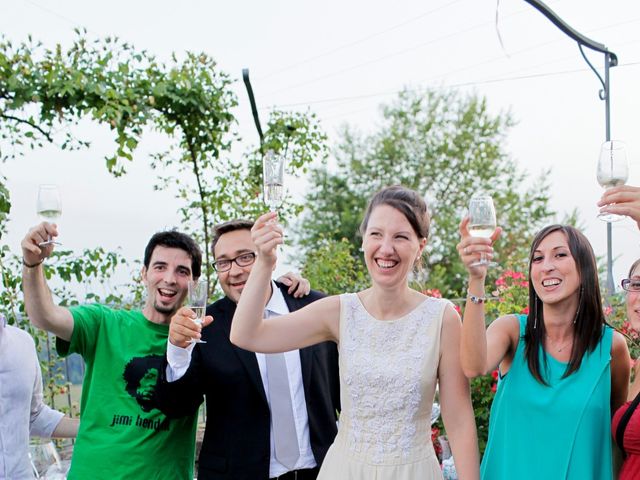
(483, 263)
(49, 242)
(610, 217)
(193, 340)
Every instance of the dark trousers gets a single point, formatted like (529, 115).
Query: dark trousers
(304, 474)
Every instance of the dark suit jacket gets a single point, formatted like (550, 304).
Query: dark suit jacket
(236, 441)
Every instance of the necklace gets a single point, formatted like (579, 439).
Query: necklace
(561, 347)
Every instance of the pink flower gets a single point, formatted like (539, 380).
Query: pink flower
(525, 310)
(432, 292)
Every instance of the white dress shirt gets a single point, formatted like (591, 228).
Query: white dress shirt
(22, 412)
(178, 362)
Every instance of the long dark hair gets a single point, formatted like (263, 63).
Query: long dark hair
(589, 317)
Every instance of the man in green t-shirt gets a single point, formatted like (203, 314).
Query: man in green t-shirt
(122, 434)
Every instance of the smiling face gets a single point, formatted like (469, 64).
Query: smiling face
(166, 279)
(633, 301)
(554, 274)
(391, 246)
(231, 245)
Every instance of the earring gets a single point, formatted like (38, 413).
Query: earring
(535, 311)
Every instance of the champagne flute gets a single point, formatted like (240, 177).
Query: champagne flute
(198, 291)
(273, 179)
(613, 170)
(49, 207)
(482, 222)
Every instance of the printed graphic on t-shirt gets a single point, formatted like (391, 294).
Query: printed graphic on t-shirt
(141, 379)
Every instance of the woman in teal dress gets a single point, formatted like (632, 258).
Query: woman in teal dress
(562, 369)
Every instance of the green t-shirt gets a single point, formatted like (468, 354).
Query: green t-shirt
(121, 434)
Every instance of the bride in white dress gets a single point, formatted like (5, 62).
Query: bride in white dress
(395, 345)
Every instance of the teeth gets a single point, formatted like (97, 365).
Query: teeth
(386, 263)
(550, 283)
(166, 293)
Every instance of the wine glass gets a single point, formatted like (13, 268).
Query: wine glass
(273, 179)
(482, 221)
(613, 170)
(198, 292)
(49, 207)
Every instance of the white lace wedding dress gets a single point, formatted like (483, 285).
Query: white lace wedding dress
(388, 375)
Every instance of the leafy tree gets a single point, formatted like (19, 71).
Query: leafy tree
(45, 91)
(109, 81)
(447, 146)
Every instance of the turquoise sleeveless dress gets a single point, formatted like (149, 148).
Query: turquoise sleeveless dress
(560, 431)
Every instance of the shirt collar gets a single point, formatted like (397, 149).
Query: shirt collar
(276, 303)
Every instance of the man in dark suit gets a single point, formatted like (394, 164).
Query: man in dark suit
(240, 437)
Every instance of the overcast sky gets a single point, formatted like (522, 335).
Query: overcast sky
(341, 59)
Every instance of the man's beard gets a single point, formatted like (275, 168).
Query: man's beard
(165, 310)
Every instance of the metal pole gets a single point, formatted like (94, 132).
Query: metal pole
(607, 104)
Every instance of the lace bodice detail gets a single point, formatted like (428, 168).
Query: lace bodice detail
(388, 372)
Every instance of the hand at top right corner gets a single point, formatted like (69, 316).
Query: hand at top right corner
(622, 200)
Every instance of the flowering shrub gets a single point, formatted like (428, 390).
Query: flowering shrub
(511, 295)
(616, 314)
(435, 433)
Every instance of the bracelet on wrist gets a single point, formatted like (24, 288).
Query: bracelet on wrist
(31, 265)
(475, 299)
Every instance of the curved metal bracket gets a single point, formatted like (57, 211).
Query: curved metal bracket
(611, 59)
(562, 25)
(254, 108)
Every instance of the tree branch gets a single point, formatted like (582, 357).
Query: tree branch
(45, 134)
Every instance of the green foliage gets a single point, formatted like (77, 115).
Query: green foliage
(616, 313)
(5, 206)
(332, 269)
(446, 146)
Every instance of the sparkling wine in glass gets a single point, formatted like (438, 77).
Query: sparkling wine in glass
(49, 207)
(613, 170)
(482, 221)
(273, 178)
(197, 301)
